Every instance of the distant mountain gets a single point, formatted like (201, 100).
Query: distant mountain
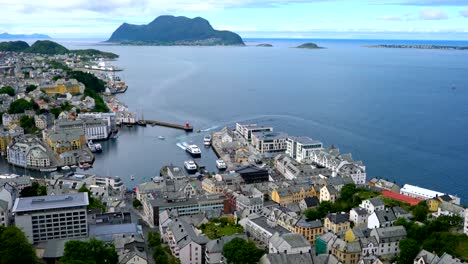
(171, 30)
(48, 47)
(23, 36)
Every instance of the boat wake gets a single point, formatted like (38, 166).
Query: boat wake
(182, 145)
(209, 129)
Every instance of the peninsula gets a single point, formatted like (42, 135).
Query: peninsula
(47, 47)
(418, 46)
(171, 30)
(309, 46)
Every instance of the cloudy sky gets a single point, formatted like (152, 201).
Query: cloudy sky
(416, 19)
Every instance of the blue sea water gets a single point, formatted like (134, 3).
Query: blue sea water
(403, 112)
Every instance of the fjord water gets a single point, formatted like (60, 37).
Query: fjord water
(404, 112)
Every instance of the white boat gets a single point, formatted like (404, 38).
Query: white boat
(132, 177)
(91, 146)
(207, 140)
(98, 147)
(194, 150)
(73, 166)
(190, 166)
(221, 165)
(65, 168)
(161, 137)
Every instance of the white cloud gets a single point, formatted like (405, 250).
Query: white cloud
(432, 14)
(464, 13)
(390, 18)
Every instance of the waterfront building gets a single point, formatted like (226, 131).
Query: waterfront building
(28, 152)
(214, 248)
(340, 164)
(388, 239)
(301, 148)
(63, 86)
(61, 141)
(246, 130)
(175, 173)
(465, 223)
(269, 142)
(422, 193)
(114, 183)
(44, 218)
(109, 118)
(125, 117)
(346, 252)
(5, 139)
(96, 129)
(384, 184)
(290, 243)
(310, 230)
(446, 208)
(337, 222)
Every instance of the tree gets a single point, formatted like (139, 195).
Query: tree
(34, 190)
(7, 90)
(28, 124)
(136, 203)
(347, 192)
(239, 251)
(93, 202)
(19, 106)
(30, 88)
(420, 212)
(92, 251)
(409, 248)
(15, 247)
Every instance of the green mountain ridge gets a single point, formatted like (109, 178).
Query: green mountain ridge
(171, 30)
(47, 47)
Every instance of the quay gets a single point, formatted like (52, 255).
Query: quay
(187, 127)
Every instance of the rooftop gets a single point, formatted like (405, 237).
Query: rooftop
(401, 197)
(35, 203)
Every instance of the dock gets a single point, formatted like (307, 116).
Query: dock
(187, 127)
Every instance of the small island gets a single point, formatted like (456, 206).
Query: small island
(47, 47)
(418, 46)
(23, 36)
(309, 46)
(171, 31)
(265, 45)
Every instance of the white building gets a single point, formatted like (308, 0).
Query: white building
(125, 117)
(109, 118)
(301, 148)
(261, 228)
(388, 239)
(422, 193)
(28, 151)
(269, 142)
(113, 182)
(246, 130)
(291, 243)
(358, 216)
(381, 218)
(43, 218)
(96, 129)
(466, 223)
(372, 205)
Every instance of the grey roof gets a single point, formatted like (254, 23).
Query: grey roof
(385, 216)
(338, 218)
(281, 258)
(327, 237)
(450, 207)
(262, 222)
(311, 201)
(325, 259)
(270, 135)
(50, 202)
(184, 233)
(399, 211)
(361, 232)
(389, 233)
(448, 259)
(107, 232)
(331, 190)
(216, 246)
(360, 211)
(54, 248)
(292, 239)
(347, 247)
(376, 201)
(311, 224)
(305, 140)
(429, 258)
(4, 205)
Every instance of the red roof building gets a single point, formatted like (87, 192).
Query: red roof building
(400, 197)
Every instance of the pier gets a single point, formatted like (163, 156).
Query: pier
(187, 127)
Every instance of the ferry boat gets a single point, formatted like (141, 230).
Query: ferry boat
(190, 166)
(207, 140)
(132, 177)
(221, 165)
(194, 150)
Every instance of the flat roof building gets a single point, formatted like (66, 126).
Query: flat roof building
(44, 218)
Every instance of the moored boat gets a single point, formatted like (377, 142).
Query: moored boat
(190, 166)
(193, 150)
(220, 164)
(207, 140)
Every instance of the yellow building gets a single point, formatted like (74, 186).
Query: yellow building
(346, 252)
(309, 230)
(433, 204)
(211, 186)
(292, 194)
(64, 141)
(64, 86)
(242, 155)
(337, 222)
(5, 139)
